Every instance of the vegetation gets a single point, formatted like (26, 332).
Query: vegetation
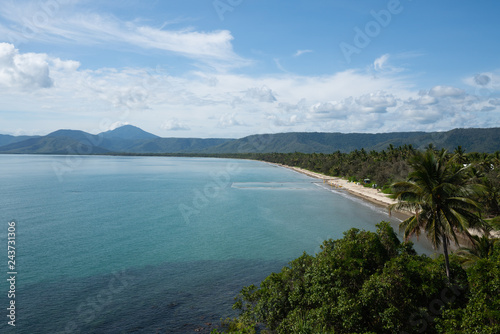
(439, 191)
(130, 139)
(371, 282)
(394, 165)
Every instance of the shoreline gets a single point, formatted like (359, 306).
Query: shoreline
(372, 195)
(369, 194)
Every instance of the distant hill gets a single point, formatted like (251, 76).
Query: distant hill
(8, 139)
(472, 140)
(52, 145)
(312, 142)
(130, 139)
(126, 139)
(128, 132)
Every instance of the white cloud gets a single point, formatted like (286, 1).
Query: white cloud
(116, 125)
(446, 91)
(379, 63)
(82, 28)
(376, 102)
(263, 94)
(174, 125)
(25, 71)
(129, 97)
(426, 100)
(301, 52)
(421, 115)
(331, 110)
(423, 100)
(65, 65)
(287, 121)
(228, 120)
(234, 105)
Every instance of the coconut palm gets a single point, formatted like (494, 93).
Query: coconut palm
(482, 247)
(439, 195)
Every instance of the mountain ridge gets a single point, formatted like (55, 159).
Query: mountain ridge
(129, 139)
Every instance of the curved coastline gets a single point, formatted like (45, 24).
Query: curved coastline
(369, 194)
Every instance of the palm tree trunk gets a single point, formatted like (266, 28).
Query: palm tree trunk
(445, 245)
(446, 260)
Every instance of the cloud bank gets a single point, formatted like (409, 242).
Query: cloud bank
(221, 104)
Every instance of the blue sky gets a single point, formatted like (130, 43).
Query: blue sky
(231, 68)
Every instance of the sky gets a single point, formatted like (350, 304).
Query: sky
(232, 68)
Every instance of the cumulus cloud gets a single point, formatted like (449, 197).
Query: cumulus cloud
(421, 115)
(26, 71)
(116, 125)
(375, 102)
(353, 100)
(228, 120)
(333, 110)
(423, 100)
(174, 125)
(446, 91)
(352, 107)
(65, 65)
(263, 94)
(287, 121)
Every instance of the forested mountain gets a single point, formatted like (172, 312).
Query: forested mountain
(130, 139)
(128, 132)
(126, 139)
(472, 140)
(8, 139)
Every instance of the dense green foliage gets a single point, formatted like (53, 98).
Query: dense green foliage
(439, 191)
(371, 283)
(388, 166)
(381, 167)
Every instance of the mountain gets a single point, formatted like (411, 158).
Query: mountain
(472, 140)
(8, 139)
(130, 139)
(128, 132)
(311, 142)
(126, 139)
(52, 145)
(176, 145)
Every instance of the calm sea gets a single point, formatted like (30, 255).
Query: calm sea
(154, 244)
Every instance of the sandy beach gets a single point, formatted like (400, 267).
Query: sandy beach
(370, 194)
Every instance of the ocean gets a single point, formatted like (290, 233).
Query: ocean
(109, 244)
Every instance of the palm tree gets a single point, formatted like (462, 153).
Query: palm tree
(482, 248)
(460, 155)
(439, 195)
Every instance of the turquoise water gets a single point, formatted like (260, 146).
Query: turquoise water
(147, 244)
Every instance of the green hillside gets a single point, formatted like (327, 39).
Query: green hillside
(132, 140)
(472, 140)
